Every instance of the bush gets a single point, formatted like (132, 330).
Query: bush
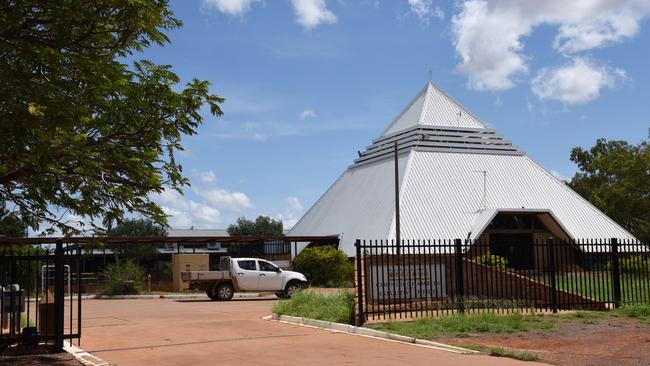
(124, 278)
(338, 308)
(492, 260)
(636, 264)
(325, 266)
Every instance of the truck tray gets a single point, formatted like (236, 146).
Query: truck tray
(204, 275)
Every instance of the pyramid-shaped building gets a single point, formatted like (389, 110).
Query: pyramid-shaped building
(457, 179)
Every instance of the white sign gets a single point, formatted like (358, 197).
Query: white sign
(406, 282)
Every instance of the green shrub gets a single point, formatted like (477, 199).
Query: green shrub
(635, 264)
(493, 260)
(338, 308)
(124, 278)
(325, 266)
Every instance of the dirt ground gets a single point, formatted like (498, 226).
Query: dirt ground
(36, 357)
(576, 342)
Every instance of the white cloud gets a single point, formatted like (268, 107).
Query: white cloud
(224, 199)
(488, 33)
(578, 82)
(184, 213)
(292, 212)
(311, 13)
(424, 9)
(560, 176)
(208, 177)
(294, 203)
(439, 13)
(307, 113)
(230, 7)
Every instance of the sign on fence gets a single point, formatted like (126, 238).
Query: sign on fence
(406, 282)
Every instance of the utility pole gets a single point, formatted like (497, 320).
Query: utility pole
(397, 223)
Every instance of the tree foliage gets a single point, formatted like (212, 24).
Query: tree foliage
(81, 131)
(615, 177)
(137, 227)
(10, 224)
(262, 226)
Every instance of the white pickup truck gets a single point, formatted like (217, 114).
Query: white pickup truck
(244, 275)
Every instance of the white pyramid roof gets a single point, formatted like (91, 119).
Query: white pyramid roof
(441, 183)
(433, 107)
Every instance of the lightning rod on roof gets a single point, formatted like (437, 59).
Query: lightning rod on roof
(429, 74)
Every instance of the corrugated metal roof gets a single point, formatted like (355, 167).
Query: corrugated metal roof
(433, 107)
(443, 193)
(197, 232)
(441, 189)
(360, 204)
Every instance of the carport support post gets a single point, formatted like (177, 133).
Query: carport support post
(616, 273)
(460, 287)
(59, 300)
(360, 318)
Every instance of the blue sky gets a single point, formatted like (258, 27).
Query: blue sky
(309, 82)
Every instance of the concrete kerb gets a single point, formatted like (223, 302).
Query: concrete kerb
(86, 359)
(365, 332)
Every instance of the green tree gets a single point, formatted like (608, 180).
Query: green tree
(615, 177)
(82, 129)
(137, 227)
(262, 226)
(10, 224)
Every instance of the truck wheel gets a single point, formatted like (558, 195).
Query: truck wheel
(211, 295)
(292, 288)
(222, 292)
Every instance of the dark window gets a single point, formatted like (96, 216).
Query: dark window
(247, 265)
(511, 222)
(267, 267)
(516, 248)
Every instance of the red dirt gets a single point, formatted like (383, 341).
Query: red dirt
(611, 341)
(23, 356)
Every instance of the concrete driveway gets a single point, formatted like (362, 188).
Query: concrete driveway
(203, 332)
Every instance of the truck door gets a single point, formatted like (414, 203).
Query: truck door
(270, 276)
(247, 274)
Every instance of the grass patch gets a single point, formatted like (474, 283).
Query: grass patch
(517, 355)
(337, 308)
(640, 312)
(458, 325)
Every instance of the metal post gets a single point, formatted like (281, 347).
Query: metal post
(59, 300)
(460, 287)
(397, 223)
(551, 251)
(360, 319)
(616, 273)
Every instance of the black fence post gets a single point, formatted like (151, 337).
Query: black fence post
(59, 300)
(616, 273)
(460, 288)
(361, 318)
(552, 264)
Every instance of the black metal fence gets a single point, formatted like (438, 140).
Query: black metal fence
(432, 277)
(40, 298)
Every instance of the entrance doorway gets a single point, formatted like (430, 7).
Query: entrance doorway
(517, 248)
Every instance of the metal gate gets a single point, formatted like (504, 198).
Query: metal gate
(40, 301)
